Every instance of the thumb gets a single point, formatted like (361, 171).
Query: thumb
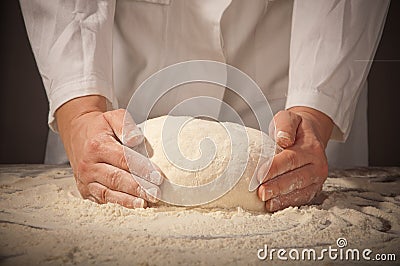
(124, 128)
(283, 128)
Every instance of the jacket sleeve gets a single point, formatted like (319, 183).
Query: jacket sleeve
(332, 46)
(72, 44)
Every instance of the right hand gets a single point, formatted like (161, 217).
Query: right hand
(100, 157)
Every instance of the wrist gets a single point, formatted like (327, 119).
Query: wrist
(322, 123)
(75, 109)
(78, 107)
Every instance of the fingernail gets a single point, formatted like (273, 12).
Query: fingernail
(284, 137)
(138, 203)
(267, 194)
(274, 204)
(283, 134)
(134, 136)
(136, 133)
(153, 194)
(155, 177)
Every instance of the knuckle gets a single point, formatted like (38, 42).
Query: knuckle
(292, 159)
(122, 160)
(81, 168)
(104, 194)
(93, 145)
(115, 179)
(119, 111)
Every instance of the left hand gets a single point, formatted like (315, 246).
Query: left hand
(297, 173)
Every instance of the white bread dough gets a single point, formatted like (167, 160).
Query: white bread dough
(189, 139)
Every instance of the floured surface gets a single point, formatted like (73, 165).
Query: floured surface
(43, 221)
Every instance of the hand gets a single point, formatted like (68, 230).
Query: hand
(297, 173)
(94, 142)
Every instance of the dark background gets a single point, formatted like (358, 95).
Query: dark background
(24, 106)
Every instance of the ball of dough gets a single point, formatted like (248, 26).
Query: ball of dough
(194, 131)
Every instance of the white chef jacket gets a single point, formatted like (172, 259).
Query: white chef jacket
(301, 53)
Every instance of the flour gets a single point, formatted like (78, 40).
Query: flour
(44, 221)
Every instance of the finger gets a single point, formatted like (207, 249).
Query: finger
(285, 161)
(147, 190)
(119, 180)
(103, 195)
(284, 131)
(141, 166)
(82, 188)
(111, 152)
(295, 198)
(144, 148)
(288, 182)
(123, 126)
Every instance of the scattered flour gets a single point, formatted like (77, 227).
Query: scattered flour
(44, 221)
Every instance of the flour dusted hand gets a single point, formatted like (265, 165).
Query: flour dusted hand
(297, 173)
(99, 153)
